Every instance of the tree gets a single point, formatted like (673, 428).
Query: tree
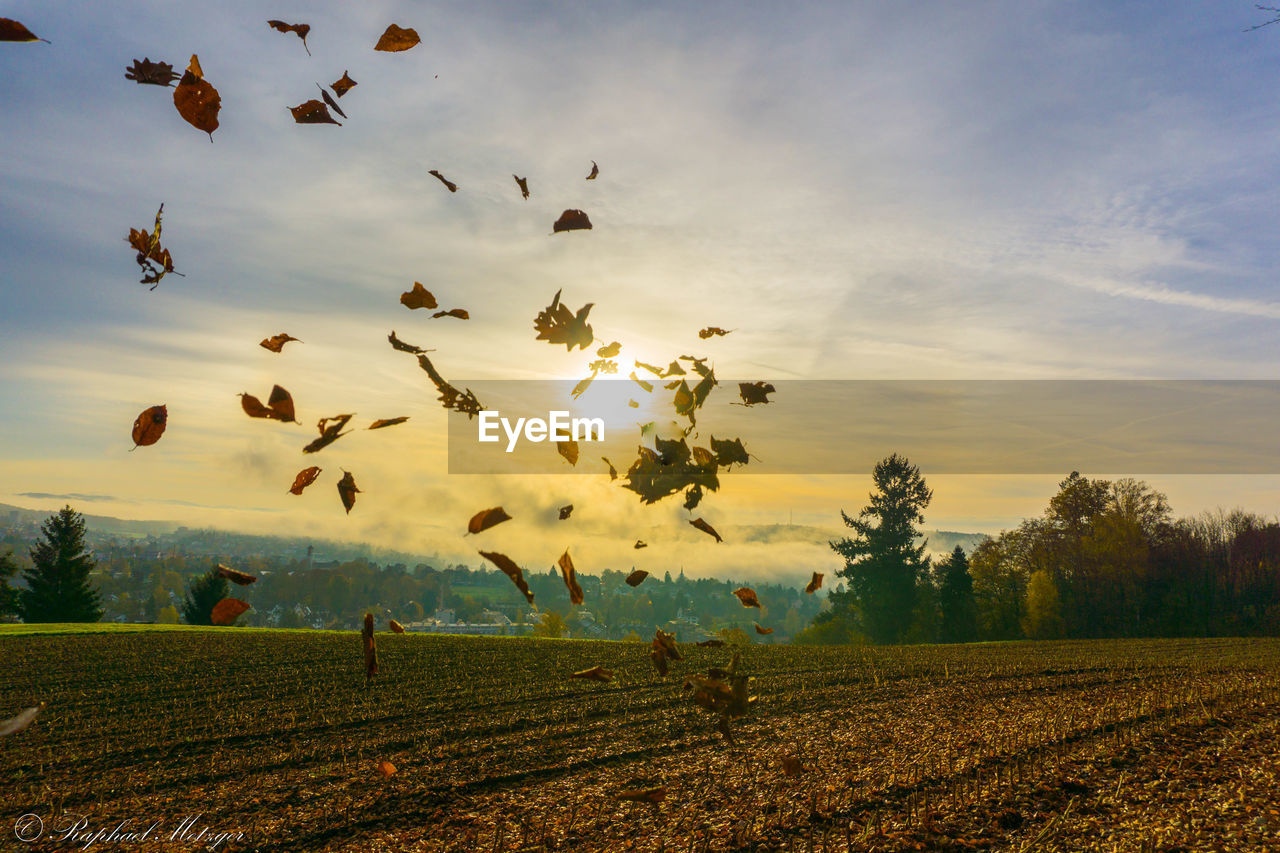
(1043, 619)
(202, 594)
(58, 588)
(957, 609)
(551, 625)
(883, 563)
(8, 595)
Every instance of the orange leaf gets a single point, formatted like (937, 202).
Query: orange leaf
(305, 478)
(386, 422)
(760, 630)
(419, 297)
(227, 611)
(511, 570)
(645, 795)
(814, 584)
(275, 343)
(397, 38)
(747, 596)
(196, 100)
(572, 220)
(330, 431)
(596, 673)
(637, 577)
(279, 406)
(347, 490)
(396, 627)
(706, 528)
(486, 518)
(450, 185)
(149, 426)
(570, 578)
(235, 576)
(344, 84)
(387, 769)
(300, 29)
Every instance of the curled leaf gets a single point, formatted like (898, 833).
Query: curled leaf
(154, 73)
(305, 478)
(760, 630)
(279, 406)
(149, 426)
(347, 491)
(570, 578)
(754, 393)
(300, 29)
(747, 596)
(637, 577)
(572, 220)
(511, 570)
(236, 576)
(640, 543)
(713, 330)
(595, 171)
(343, 85)
(330, 430)
(386, 769)
(486, 518)
(313, 112)
(400, 345)
(275, 343)
(460, 313)
(814, 584)
(396, 627)
(396, 38)
(613, 472)
(449, 185)
(227, 611)
(556, 324)
(330, 102)
(596, 673)
(386, 422)
(523, 184)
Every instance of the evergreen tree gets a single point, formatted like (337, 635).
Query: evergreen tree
(202, 594)
(959, 614)
(58, 587)
(8, 595)
(883, 563)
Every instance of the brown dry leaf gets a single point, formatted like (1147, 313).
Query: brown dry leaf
(370, 651)
(511, 570)
(450, 397)
(753, 393)
(582, 386)
(565, 511)
(460, 313)
(713, 330)
(572, 220)
(418, 297)
(396, 627)
(330, 430)
(275, 343)
(729, 451)
(556, 324)
(609, 351)
(330, 102)
(400, 345)
(486, 518)
(654, 369)
(570, 578)
(196, 100)
(313, 112)
(279, 406)
(596, 673)
(645, 795)
(747, 596)
(347, 490)
(640, 543)
(25, 718)
(569, 450)
(343, 85)
(647, 386)
(792, 766)
(666, 641)
(11, 30)
(397, 38)
(659, 658)
(386, 422)
(613, 472)
(236, 576)
(633, 404)
(815, 584)
(149, 426)
(153, 259)
(760, 630)
(300, 29)
(595, 171)
(450, 185)
(386, 769)
(146, 71)
(637, 577)
(523, 184)
(227, 611)
(305, 478)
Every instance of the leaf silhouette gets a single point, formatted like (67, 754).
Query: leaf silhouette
(450, 185)
(330, 430)
(149, 426)
(709, 331)
(511, 570)
(672, 468)
(693, 497)
(347, 491)
(460, 313)
(397, 38)
(582, 386)
(596, 673)
(305, 478)
(343, 85)
(196, 100)
(275, 343)
(706, 528)
(609, 351)
(613, 472)
(637, 577)
(556, 324)
(386, 422)
(236, 576)
(279, 406)
(154, 260)
(640, 543)
(370, 651)
(747, 596)
(330, 102)
(27, 716)
(154, 73)
(11, 30)
(486, 518)
(814, 584)
(396, 627)
(656, 371)
(729, 451)
(386, 769)
(595, 171)
(313, 112)
(570, 577)
(569, 450)
(300, 29)
(523, 184)
(450, 397)
(565, 511)
(755, 393)
(760, 630)
(400, 345)
(227, 611)
(418, 297)
(647, 386)
(572, 220)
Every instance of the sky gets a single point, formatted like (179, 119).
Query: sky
(1002, 190)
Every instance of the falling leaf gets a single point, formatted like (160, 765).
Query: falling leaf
(613, 472)
(570, 578)
(275, 343)
(693, 497)
(330, 430)
(403, 347)
(386, 769)
(460, 313)
(347, 490)
(659, 658)
(154, 73)
(572, 220)
(565, 511)
(637, 577)
(227, 611)
(595, 171)
(197, 101)
(396, 627)
(330, 102)
(729, 451)
(569, 450)
(236, 576)
(300, 29)
(556, 324)
(313, 112)
(486, 518)
(343, 85)
(640, 543)
(713, 330)
(633, 404)
(397, 38)
(305, 478)
(370, 651)
(582, 386)
(747, 596)
(386, 422)
(646, 795)
(760, 630)
(596, 673)
(671, 469)
(753, 393)
(153, 259)
(711, 644)
(511, 570)
(418, 297)
(814, 584)
(15, 724)
(450, 185)
(149, 426)
(609, 351)
(279, 406)
(523, 184)
(11, 30)
(450, 397)
(647, 386)
(656, 371)
(667, 642)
